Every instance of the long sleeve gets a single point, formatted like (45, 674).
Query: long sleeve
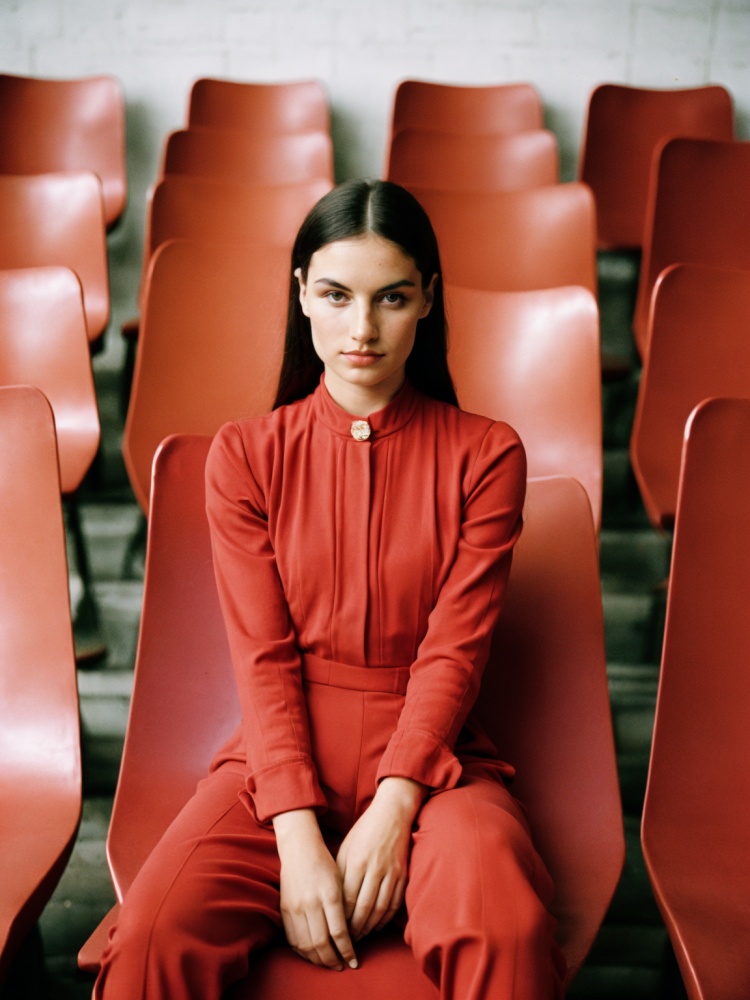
(446, 674)
(281, 774)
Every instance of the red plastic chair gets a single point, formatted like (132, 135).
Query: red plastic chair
(236, 155)
(210, 345)
(59, 219)
(459, 109)
(532, 359)
(229, 212)
(44, 343)
(515, 241)
(293, 106)
(624, 127)
(429, 158)
(40, 764)
(698, 213)
(696, 821)
(48, 126)
(698, 347)
(549, 713)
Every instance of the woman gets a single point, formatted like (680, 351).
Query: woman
(362, 536)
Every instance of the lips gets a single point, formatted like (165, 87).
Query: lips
(362, 357)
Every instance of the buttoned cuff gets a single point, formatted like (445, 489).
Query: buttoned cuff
(416, 754)
(280, 787)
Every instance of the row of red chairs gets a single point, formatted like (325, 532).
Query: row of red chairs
(63, 179)
(465, 222)
(63, 187)
(214, 321)
(489, 303)
(281, 133)
(733, 145)
(694, 834)
(544, 242)
(563, 742)
(227, 307)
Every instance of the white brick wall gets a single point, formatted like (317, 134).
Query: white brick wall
(361, 50)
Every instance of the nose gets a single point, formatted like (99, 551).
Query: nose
(363, 329)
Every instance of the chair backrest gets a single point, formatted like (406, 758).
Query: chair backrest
(533, 360)
(197, 208)
(249, 157)
(210, 345)
(289, 106)
(48, 126)
(430, 158)
(181, 624)
(698, 213)
(698, 347)
(552, 716)
(624, 128)
(515, 241)
(59, 219)
(545, 702)
(186, 207)
(462, 109)
(40, 764)
(696, 820)
(43, 342)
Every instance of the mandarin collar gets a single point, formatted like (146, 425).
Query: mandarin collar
(392, 417)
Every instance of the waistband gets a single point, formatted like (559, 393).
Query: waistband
(391, 680)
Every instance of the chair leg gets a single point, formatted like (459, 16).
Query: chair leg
(658, 617)
(90, 648)
(132, 567)
(130, 335)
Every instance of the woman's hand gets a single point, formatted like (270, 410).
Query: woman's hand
(374, 856)
(312, 907)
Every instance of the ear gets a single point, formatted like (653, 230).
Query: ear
(302, 291)
(429, 295)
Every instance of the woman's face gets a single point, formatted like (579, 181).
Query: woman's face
(364, 298)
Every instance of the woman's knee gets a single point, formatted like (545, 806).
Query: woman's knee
(484, 884)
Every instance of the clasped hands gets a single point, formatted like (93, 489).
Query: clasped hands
(328, 904)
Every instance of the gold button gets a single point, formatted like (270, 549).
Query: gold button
(360, 430)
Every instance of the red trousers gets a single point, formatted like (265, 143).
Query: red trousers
(208, 896)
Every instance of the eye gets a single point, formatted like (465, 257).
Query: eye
(393, 298)
(334, 296)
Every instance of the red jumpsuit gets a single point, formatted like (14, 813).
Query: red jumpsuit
(360, 581)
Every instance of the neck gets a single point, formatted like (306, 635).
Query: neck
(362, 400)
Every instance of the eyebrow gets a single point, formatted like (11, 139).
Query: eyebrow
(385, 288)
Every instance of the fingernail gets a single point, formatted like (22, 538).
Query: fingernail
(354, 964)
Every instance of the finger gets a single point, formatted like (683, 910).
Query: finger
(290, 930)
(339, 932)
(394, 906)
(298, 936)
(350, 890)
(320, 941)
(381, 906)
(368, 894)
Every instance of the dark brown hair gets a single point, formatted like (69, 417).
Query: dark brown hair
(391, 212)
